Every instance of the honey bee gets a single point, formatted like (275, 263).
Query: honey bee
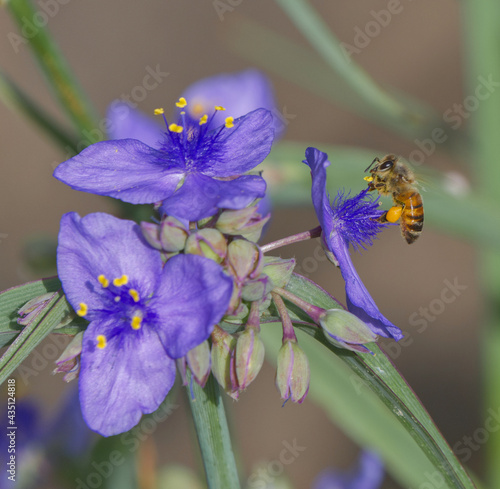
(392, 177)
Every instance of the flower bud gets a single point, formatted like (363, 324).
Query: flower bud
(151, 233)
(249, 356)
(245, 259)
(223, 345)
(69, 361)
(209, 243)
(173, 235)
(279, 270)
(255, 290)
(245, 222)
(293, 373)
(32, 308)
(198, 360)
(344, 330)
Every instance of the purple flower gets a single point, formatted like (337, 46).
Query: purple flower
(194, 167)
(368, 474)
(142, 315)
(348, 221)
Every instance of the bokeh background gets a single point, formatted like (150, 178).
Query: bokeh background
(110, 46)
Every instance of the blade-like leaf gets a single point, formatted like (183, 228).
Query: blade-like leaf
(348, 396)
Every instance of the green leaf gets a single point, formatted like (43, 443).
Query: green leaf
(54, 66)
(370, 400)
(56, 310)
(11, 300)
(212, 430)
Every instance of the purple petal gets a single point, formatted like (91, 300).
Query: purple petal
(239, 93)
(128, 378)
(193, 296)
(241, 148)
(368, 474)
(125, 169)
(102, 244)
(359, 300)
(125, 122)
(201, 196)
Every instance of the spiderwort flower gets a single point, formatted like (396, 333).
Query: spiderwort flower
(195, 168)
(142, 316)
(368, 474)
(348, 220)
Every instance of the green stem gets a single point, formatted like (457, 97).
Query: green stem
(54, 66)
(481, 20)
(213, 434)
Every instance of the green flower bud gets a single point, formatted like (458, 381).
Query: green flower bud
(279, 270)
(151, 233)
(344, 330)
(209, 243)
(255, 290)
(69, 361)
(198, 360)
(33, 308)
(249, 357)
(173, 235)
(245, 259)
(223, 345)
(293, 373)
(245, 222)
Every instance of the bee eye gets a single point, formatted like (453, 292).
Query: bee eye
(386, 165)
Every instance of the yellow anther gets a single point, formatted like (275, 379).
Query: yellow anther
(394, 213)
(83, 309)
(181, 103)
(134, 294)
(203, 120)
(118, 282)
(101, 341)
(175, 128)
(159, 111)
(219, 107)
(136, 322)
(368, 179)
(103, 280)
(229, 122)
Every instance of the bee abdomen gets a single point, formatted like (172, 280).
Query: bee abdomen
(412, 219)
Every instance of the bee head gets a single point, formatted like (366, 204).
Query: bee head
(387, 163)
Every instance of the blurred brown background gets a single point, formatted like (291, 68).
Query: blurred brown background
(111, 44)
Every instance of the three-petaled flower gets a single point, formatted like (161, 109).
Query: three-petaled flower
(194, 168)
(348, 221)
(142, 315)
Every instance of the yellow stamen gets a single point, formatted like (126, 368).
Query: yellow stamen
(103, 280)
(101, 341)
(229, 122)
(203, 120)
(181, 103)
(175, 128)
(219, 107)
(136, 322)
(83, 309)
(368, 179)
(159, 111)
(118, 282)
(134, 294)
